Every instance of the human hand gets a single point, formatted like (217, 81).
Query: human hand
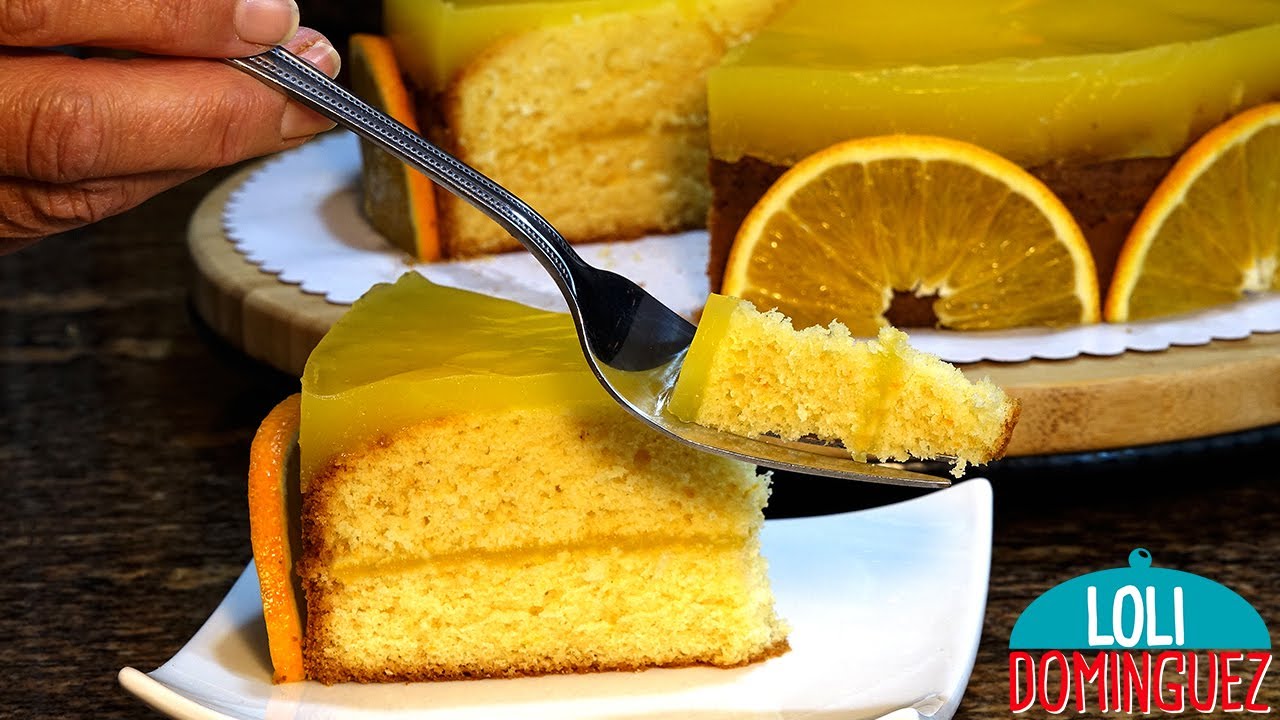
(84, 138)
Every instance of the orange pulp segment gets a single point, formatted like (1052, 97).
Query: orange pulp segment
(398, 201)
(846, 227)
(1210, 233)
(269, 521)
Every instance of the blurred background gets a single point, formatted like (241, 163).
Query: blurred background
(338, 19)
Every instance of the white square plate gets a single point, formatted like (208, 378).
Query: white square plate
(886, 607)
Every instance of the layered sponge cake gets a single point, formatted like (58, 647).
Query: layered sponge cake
(751, 373)
(592, 111)
(475, 505)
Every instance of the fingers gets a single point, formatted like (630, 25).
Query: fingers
(81, 140)
(32, 210)
(65, 120)
(198, 28)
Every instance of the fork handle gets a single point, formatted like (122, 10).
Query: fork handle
(301, 81)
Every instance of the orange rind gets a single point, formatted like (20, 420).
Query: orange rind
(398, 201)
(269, 533)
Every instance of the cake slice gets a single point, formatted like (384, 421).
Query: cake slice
(475, 505)
(591, 111)
(753, 374)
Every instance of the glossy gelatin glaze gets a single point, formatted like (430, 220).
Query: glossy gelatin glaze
(1036, 81)
(436, 38)
(375, 372)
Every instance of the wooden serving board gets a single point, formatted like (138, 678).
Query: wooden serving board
(1082, 404)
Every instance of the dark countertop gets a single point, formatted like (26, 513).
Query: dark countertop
(124, 434)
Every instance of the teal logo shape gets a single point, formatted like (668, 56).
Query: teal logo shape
(1140, 608)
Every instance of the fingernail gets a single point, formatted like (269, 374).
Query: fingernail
(298, 122)
(266, 22)
(324, 57)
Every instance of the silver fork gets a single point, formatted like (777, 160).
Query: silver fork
(633, 343)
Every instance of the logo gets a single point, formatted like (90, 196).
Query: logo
(1139, 639)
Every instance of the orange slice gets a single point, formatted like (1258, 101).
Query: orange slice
(985, 242)
(398, 201)
(1210, 233)
(269, 534)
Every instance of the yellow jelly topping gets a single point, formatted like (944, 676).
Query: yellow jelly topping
(695, 371)
(436, 38)
(413, 350)
(1034, 80)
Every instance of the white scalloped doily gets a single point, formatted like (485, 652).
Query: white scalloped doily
(299, 218)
